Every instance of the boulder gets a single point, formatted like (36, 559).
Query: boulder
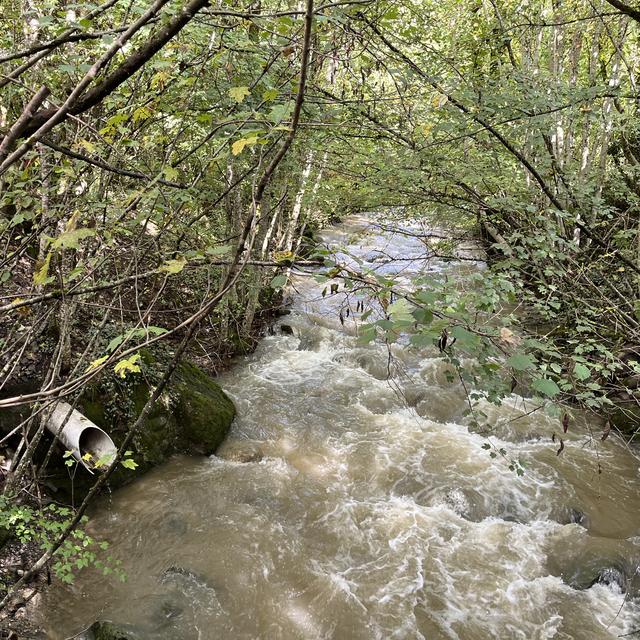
(240, 451)
(109, 631)
(192, 416)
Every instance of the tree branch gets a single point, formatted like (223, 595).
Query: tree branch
(78, 103)
(626, 9)
(19, 125)
(108, 167)
(507, 144)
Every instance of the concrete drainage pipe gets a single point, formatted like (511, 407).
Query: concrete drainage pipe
(82, 437)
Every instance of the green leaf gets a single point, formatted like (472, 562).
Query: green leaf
(422, 315)
(239, 93)
(279, 281)
(219, 250)
(466, 339)
(269, 94)
(71, 239)
(170, 173)
(278, 113)
(581, 372)
(116, 342)
(129, 463)
(422, 340)
(400, 311)
(521, 362)
(546, 387)
(366, 334)
(104, 460)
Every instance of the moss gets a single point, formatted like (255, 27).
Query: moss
(203, 410)
(109, 631)
(159, 434)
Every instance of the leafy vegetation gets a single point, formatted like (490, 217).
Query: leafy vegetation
(163, 163)
(42, 527)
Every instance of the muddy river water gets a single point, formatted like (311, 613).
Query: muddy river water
(349, 506)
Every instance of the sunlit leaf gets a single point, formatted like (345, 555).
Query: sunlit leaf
(238, 146)
(173, 266)
(97, 362)
(239, 93)
(128, 365)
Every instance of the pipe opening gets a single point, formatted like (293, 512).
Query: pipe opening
(98, 445)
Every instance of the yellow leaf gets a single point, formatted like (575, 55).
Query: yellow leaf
(439, 100)
(127, 365)
(239, 145)
(97, 362)
(73, 221)
(141, 113)
(23, 311)
(173, 266)
(159, 79)
(41, 276)
(239, 93)
(87, 146)
(283, 256)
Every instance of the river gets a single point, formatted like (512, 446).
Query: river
(368, 510)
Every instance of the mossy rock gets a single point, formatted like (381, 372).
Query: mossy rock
(109, 631)
(203, 410)
(192, 416)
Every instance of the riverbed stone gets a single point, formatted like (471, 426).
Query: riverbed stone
(110, 631)
(619, 573)
(240, 451)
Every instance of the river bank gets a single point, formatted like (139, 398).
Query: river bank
(192, 417)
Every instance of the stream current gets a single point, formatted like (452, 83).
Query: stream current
(367, 509)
